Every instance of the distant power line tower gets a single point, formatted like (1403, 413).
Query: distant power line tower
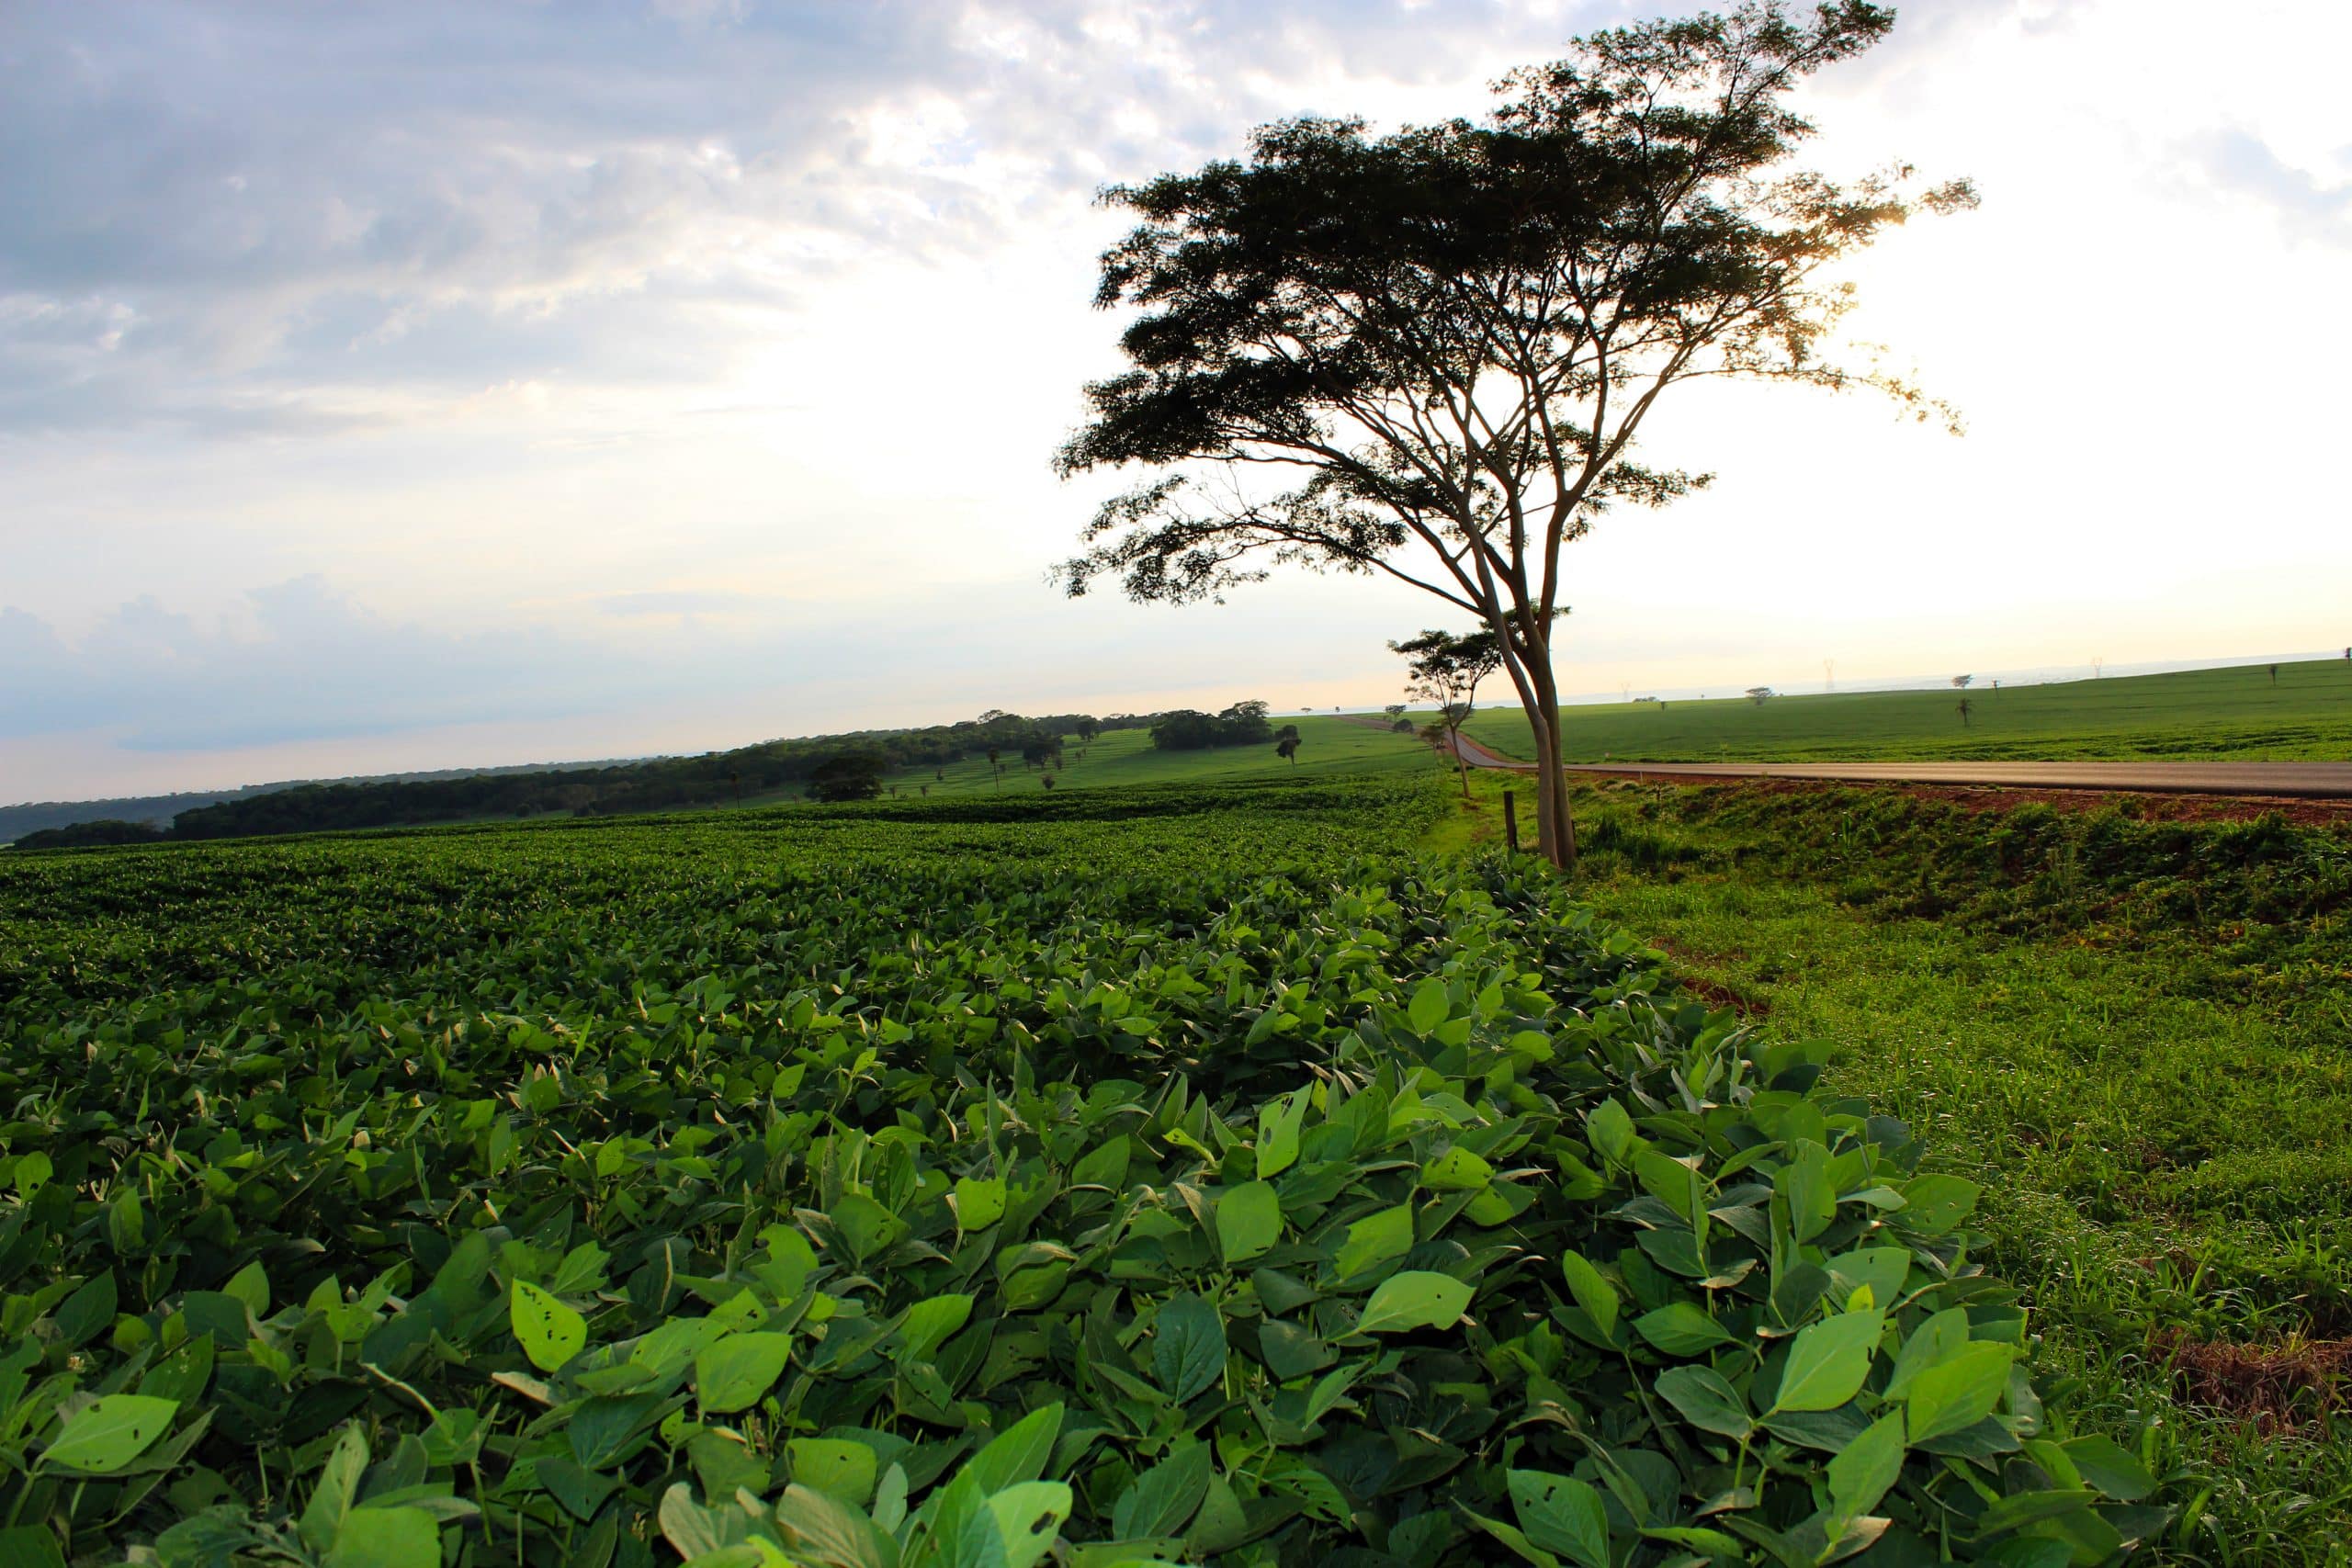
(1829, 675)
(2099, 662)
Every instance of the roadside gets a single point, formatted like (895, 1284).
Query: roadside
(2134, 1027)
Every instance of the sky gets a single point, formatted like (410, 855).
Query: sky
(416, 385)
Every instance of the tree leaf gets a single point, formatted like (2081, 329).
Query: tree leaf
(1828, 1361)
(550, 1332)
(107, 1434)
(733, 1373)
(1706, 1400)
(1187, 1346)
(1414, 1299)
(1248, 1221)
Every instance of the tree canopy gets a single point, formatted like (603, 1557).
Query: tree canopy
(1428, 355)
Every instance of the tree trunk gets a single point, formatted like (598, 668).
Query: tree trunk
(1461, 768)
(1551, 783)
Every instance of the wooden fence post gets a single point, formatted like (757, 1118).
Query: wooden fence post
(1511, 822)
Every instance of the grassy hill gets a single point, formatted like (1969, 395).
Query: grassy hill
(1330, 745)
(2192, 715)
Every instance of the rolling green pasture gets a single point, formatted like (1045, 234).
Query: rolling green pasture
(2193, 715)
(1331, 747)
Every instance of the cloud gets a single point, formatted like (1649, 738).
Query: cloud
(2242, 164)
(228, 220)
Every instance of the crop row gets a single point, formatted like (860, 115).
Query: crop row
(1182, 1177)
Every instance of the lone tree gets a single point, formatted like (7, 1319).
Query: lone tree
(1446, 670)
(1286, 744)
(1428, 355)
(1966, 707)
(1960, 683)
(1760, 695)
(853, 775)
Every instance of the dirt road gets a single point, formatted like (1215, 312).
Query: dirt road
(2306, 781)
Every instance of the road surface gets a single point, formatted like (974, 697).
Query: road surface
(2311, 781)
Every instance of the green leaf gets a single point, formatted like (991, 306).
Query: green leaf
(1187, 1346)
(928, 1324)
(1415, 1299)
(733, 1373)
(1934, 1205)
(1375, 1239)
(102, 1437)
(1939, 1339)
(1029, 1517)
(1828, 1363)
(1706, 1400)
(1164, 1498)
(827, 1530)
(251, 1286)
(1456, 1170)
(1430, 1006)
(1959, 1392)
(1611, 1132)
(1803, 1182)
(337, 1484)
(87, 1311)
(835, 1466)
(1591, 1291)
(2107, 1465)
(550, 1332)
(35, 1546)
(1019, 1453)
(1862, 1472)
(387, 1537)
(1278, 1124)
(1248, 1221)
(1563, 1516)
(979, 1205)
(1680, 1329)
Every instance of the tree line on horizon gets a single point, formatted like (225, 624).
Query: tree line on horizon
(660, 783)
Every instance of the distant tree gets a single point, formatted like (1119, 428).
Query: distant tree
(1395, 711)
(1428, 355)
(2274, 674)
(1760, 695)
(853, 775)
(1965, 709)
(996, 766)
(735, 777)
(1086, 728)
(1960, 683)
(926, 791)
(1996, 683)
(1446, 670)
(1187, 729)
(1048, 780)
(1286, 747)
(992, 716)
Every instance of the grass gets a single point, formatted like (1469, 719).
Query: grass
(2194, 714)
(1331, 747)
(2135, 1033)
